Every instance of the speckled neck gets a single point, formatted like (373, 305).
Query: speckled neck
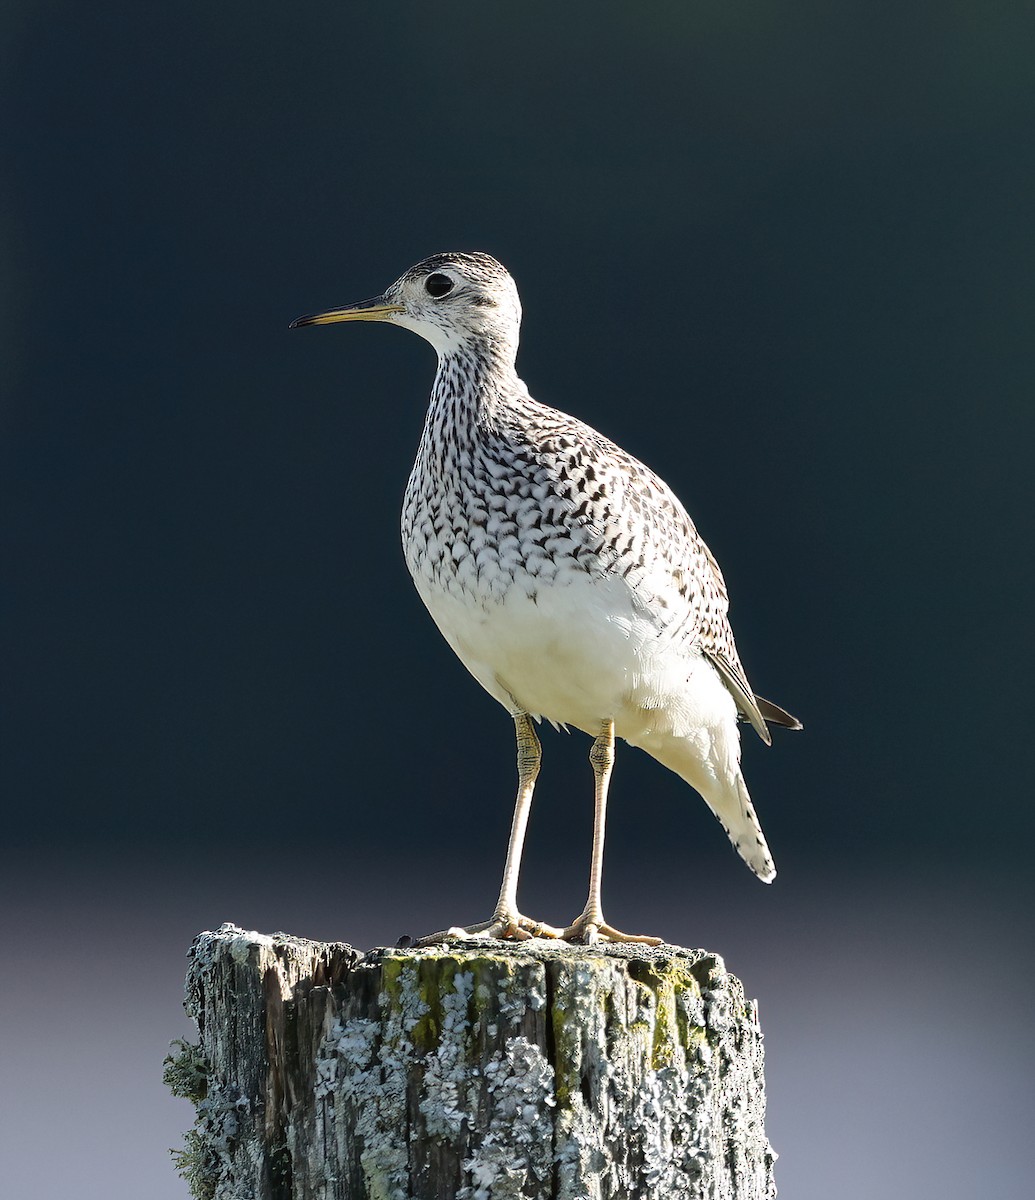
(472, 389)
(474, 380)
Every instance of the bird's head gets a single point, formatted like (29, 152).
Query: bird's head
(451, 300)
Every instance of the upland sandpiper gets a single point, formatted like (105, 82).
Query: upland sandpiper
(566, 576)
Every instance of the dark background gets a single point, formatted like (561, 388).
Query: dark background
(784, 254)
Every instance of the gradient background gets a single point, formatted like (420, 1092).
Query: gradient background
(784, 254)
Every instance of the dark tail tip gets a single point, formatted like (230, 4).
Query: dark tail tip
(773, 714)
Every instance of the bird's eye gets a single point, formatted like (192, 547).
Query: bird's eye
(438, 285)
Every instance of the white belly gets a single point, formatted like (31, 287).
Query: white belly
(579, 654)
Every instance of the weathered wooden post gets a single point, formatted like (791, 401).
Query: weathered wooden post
(534, 1069)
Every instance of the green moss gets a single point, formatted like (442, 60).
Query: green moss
(426, 979)
(186, 1073)
(488, 989)
(433, 977)
(427, 1032)
(673, 1035)
(567, 1051)
(197, 1165)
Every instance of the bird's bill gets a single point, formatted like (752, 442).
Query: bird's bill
(376, 309)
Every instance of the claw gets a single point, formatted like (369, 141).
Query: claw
(512, 927)
(591, 928)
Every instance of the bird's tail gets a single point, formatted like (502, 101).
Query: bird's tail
(736, 814)
(726, 794)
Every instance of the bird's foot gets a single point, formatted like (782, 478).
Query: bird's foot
(508, 926)
(591, 927)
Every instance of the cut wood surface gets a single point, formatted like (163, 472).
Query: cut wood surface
(458, 1072)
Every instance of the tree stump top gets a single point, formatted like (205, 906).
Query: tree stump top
(472, 1072)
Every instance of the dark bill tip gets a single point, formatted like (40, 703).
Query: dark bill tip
(376, 309)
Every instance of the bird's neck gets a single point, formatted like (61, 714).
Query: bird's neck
(472, 386)
(473, 391)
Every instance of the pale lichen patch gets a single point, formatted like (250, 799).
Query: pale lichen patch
(513, 1152)
(444, 1104)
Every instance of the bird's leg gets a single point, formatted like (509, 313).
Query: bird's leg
(591, 926)
(506, 920)
(529, 756)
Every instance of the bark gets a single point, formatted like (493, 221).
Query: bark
(535, 1069)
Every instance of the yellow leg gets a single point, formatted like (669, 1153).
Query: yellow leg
(591, 926)
(529, 756)
(506, 921)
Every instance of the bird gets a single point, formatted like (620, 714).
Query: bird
(566, 576)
